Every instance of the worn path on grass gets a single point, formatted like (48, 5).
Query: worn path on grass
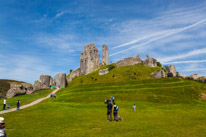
(30, 104)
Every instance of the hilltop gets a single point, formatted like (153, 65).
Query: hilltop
(116, 74)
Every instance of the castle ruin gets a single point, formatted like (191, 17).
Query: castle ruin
(105, 55)
(89, 60)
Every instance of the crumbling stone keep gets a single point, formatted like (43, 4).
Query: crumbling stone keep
(105, 55)
(89, 60)
(46, 80)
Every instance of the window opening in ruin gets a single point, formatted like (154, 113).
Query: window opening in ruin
(21, 88)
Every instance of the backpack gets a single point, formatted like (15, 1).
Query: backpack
(105, 101)
(117, 108)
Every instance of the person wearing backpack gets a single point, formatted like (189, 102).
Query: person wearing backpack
(115, 109)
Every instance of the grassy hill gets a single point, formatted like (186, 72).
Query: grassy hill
(5, 86)
(117, 74)
(168, 107)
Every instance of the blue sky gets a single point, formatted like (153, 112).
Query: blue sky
(46, 37)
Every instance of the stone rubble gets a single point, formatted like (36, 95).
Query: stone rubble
(19, 89)
(159, 74)
(103, 71)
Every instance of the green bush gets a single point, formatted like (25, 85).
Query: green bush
(111, 66)
(159, 64)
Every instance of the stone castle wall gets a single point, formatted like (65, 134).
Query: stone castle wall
(73, 74)
(129, 61)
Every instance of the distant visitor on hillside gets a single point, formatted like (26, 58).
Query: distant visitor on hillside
(109, 111)
(2, 128)
(134, 107)
(4, 104)
(18, 105)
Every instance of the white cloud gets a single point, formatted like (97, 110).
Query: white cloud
(164, 34)
(185, 62)
(182, 55)
(61, 13)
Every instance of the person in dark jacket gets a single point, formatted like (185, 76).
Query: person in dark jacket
(18, 105)
(109, 111)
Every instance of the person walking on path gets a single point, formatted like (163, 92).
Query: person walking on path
(115, 111)
(4, 104)
(2, 128)
(109, 111)
(18, 105)
(134, 107)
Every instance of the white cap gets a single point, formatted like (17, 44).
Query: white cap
(1, 120)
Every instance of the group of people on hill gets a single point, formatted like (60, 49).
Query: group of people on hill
(8, 105)
(111, 107)
(53, 95)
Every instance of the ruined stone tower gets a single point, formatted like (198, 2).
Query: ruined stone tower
(105, 56)
(89, 60)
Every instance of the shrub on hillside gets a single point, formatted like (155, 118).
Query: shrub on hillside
(159, 64)
(111, 66)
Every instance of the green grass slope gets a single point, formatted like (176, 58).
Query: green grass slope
(116, 74)
(168, 107)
